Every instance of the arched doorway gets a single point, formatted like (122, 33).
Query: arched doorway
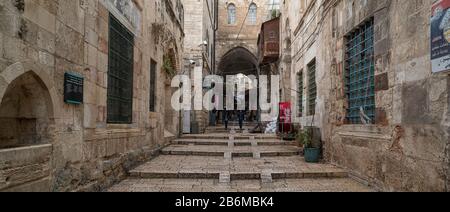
(239, 62)
(27, 128)
(26, 113)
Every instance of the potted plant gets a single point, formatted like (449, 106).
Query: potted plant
(312, 154)
(168, 67)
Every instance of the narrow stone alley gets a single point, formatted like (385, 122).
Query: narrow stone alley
(235, 161)
(133, 95)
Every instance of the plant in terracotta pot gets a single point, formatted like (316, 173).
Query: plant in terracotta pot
(312, 154)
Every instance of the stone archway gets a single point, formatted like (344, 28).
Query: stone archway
(239, 61)
(28, 111)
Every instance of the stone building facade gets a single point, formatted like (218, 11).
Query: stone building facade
(404, 144)
(199, 51)
(47, 144)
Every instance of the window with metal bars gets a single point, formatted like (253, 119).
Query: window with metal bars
(300, 93)
(231, 14)
(120, 73)
(312, 88)
(253, 14)
(153, 67)
(360, 73)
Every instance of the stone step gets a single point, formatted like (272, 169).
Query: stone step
(212, 185)
(265, 169)
(224, 142)
(232, 151)
(236, 124)
(215, 131)
(228, 136)
(222, 129)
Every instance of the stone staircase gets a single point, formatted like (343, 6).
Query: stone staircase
(235, 161)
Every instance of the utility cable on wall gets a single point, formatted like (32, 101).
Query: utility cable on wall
(245, 19)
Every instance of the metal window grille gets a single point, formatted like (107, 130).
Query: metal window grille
(360, 73)
(153, 86)
(120, 73)
(300, 94)
(312, 88)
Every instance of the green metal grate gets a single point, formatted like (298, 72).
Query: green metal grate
(312, 88)
(300, 93)
(120, 73)
(360, 73)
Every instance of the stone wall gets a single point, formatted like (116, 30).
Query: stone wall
(407, 148)
(83, 152)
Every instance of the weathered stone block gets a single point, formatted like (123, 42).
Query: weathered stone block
(425, 142)
(1, 47)
(102, 62)
(381, 82)
(103, 45)
(42, 185)
(69, 44)
(22, 165)
(103, 29)
(91, 7)
(14, 49)
(91, 37)
(91, 96)
(9, 20)
(382, 47)
(381, 117)
(90, 116)
(91, 74)
(90, 55)
(46, 59)
(28, 32)
(11, 72)
(71, 14)
(101, 117)
(71, 147)
(103, 13)
(101, 96)
(50, 5)
(416, 104)
(46, 40)
(37, 14)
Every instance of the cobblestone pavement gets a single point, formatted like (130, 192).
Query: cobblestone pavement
(232, 162)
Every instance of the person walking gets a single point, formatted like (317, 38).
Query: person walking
(241, 116)
(225, 118)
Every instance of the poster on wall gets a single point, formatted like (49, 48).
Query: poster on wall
(73, 88)
(285, 117)
(440, 36)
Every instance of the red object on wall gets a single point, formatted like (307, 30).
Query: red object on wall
(285, 120)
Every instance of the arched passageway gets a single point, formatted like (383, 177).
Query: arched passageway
(239, 62)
